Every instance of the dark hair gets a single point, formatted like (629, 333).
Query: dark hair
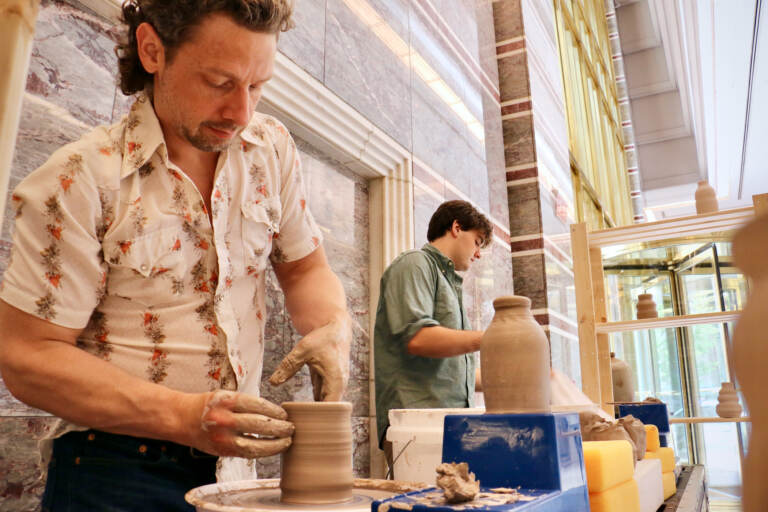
(174, 22)
(462, 212)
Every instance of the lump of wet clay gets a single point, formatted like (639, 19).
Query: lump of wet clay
(458, 484)
(595, 428)
(636, 431)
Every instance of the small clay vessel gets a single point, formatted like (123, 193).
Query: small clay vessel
(728, 402)
(646, 308)
(623, 382)
(317, 468)
(750, 356)
(706, 200)
(514, 360)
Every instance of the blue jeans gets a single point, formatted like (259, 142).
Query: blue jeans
(97, 471)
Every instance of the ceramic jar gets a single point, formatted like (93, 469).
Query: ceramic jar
(514, 360)
(750, 356)
(623, 383)
(706, 201)
(728, 402)
(646, 308)
(317, 467)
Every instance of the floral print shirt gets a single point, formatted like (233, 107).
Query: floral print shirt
(112, 237)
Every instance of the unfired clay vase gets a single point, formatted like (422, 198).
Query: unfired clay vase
(623, 383)
(706, 200)
(646, 308)
(514, 360)
(750, 354)
(728, 402)
(317, 468)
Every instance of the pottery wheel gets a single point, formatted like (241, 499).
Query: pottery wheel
(264, 496)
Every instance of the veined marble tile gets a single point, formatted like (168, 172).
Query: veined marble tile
(478, 183)
(519, 145)
(513, 77)
(365, 73)
(73, 63)
(503, 282)
(439, 138)
(305, 43)
(530, 280)
(424, 206)
(494, 159)
(486, 38)
(459, 17)
(22, 477)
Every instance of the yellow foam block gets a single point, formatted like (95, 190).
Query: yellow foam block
(666, 456)
(651, 438)
(622, 498)
(668, 483)
(608, 464)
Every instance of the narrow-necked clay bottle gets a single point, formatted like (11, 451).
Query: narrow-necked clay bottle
(317, 467)
(646, 308)
(514, 360)
(750, 356)
(728, 402)
(623, 383)
(706, 200)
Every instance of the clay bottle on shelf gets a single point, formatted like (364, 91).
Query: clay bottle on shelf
(514, 360)
(623, 384)
(706, 201)
(646, 308)
(317, 467)
(728, 402)
(750, 356)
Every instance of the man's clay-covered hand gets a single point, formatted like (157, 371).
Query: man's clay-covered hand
(326, 351)
(241, 425)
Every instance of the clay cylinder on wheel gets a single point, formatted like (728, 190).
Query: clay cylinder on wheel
(514, 360)
(317, 468)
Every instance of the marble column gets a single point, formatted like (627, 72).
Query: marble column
(539, 186)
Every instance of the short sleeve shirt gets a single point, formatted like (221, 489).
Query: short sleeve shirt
(111, 237)
(419, 289)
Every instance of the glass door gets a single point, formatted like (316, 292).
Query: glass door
(706, 283)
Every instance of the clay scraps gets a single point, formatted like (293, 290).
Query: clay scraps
(457, 483)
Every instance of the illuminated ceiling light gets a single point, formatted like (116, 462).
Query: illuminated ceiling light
(410, 58)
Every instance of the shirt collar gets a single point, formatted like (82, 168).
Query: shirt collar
(144, 136)
(442, 260)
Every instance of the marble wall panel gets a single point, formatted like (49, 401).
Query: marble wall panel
(561, 297)
(22, 478)
(459, 16)
(73, 64)
(440, 57)
(486, 39)
(494, 158)
(503, 282)
(425, 202)
(530, 279)
(365, 73)
(478, 183)
(305, 43)
(439, 138)
(508, 19)
(513, 77)
(524, 215)
(519, 145)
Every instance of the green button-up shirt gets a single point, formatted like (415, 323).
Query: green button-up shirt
(419, 289)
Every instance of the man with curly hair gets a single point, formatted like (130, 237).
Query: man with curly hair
(423, 343)
(134, 304)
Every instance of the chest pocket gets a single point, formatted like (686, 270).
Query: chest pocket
(447, 307)
(148, 268)
(260, 227)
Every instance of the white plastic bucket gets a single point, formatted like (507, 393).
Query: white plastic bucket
(417, 441)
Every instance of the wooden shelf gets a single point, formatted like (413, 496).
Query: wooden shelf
(740, 419)
(667, 321)
(679, 227)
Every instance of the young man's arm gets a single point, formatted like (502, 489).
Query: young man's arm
(439, 341)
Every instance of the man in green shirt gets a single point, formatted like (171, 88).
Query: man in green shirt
(423, 345)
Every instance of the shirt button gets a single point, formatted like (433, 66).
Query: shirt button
(144, 267)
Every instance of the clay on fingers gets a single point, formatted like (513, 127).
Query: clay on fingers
(251, 447)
